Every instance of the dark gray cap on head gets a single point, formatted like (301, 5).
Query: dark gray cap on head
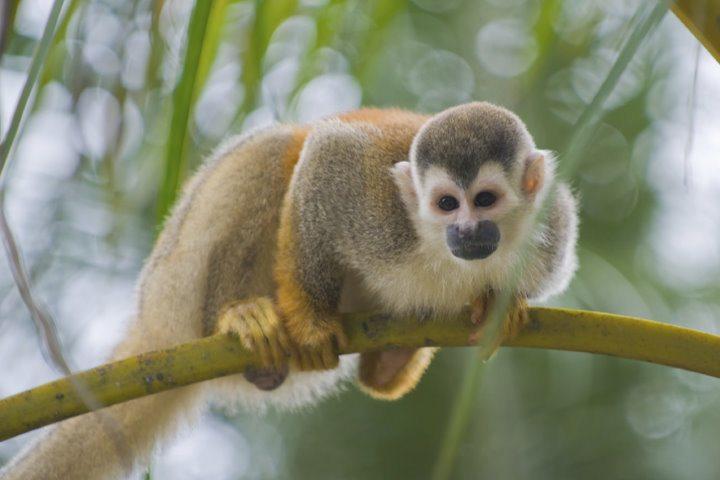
(460, 139)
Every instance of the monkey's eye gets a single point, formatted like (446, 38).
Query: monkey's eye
(485, 198)
(448, 203)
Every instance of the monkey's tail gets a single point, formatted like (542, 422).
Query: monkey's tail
(115, 442)
(88, 447)
(110, 443)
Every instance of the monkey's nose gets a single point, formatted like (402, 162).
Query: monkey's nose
(478, 241)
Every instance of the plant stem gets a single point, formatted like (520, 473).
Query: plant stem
(459, 418)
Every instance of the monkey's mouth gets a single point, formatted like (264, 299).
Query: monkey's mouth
(477, 251)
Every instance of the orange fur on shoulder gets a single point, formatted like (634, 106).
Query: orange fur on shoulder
(383, 116)
(292, 153)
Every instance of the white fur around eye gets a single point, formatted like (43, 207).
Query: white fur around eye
(492, 177)
(435, 183)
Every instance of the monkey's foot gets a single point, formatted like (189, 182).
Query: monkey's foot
(515, 319)
(256, 323)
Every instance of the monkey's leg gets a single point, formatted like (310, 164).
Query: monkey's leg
(515, 319)
(390, 374)
(257, 325)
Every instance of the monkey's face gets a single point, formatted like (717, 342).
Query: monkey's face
(472, 218)
(472, 180)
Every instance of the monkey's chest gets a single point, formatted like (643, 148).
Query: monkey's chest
(422, 284)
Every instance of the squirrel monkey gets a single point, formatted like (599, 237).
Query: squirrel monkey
(286, 227)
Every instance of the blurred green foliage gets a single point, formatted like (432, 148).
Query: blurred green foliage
(140, 92)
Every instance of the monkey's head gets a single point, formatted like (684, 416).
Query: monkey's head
(473, 179)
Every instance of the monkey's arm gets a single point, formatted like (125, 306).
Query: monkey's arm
(550, 266)
(308, 273)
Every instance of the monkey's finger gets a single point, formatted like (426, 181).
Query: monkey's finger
(278, 354)
(232, 322)
(295, 362)
(329, 357)
(294, 354)
(284, 339)
(280, 335)
(240, 329)
(523, 316)
(518, 318)
(266, 318)
(476, 337)
(479, 311)
(292, 357)
(268, 308)
(509, 324)
(248, 341)
(262, 344)
(279, 330)
(308, 362)
(304, 360)
(272, 346)
(481, 308)
(317, 359)
(341, 339)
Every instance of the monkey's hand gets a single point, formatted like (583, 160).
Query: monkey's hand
(261, 329)
(257, 325)
(515, 319)
(317, 341)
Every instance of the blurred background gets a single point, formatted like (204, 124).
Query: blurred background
(125, 111)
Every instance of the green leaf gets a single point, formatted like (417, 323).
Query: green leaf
(202, 42)
(592, 115)
(33, 74)
(268, 16)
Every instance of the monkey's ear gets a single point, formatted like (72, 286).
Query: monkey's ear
(402, 174)
(534, 175)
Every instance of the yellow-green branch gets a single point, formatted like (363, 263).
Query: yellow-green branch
(222, 355)
(702, 18)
